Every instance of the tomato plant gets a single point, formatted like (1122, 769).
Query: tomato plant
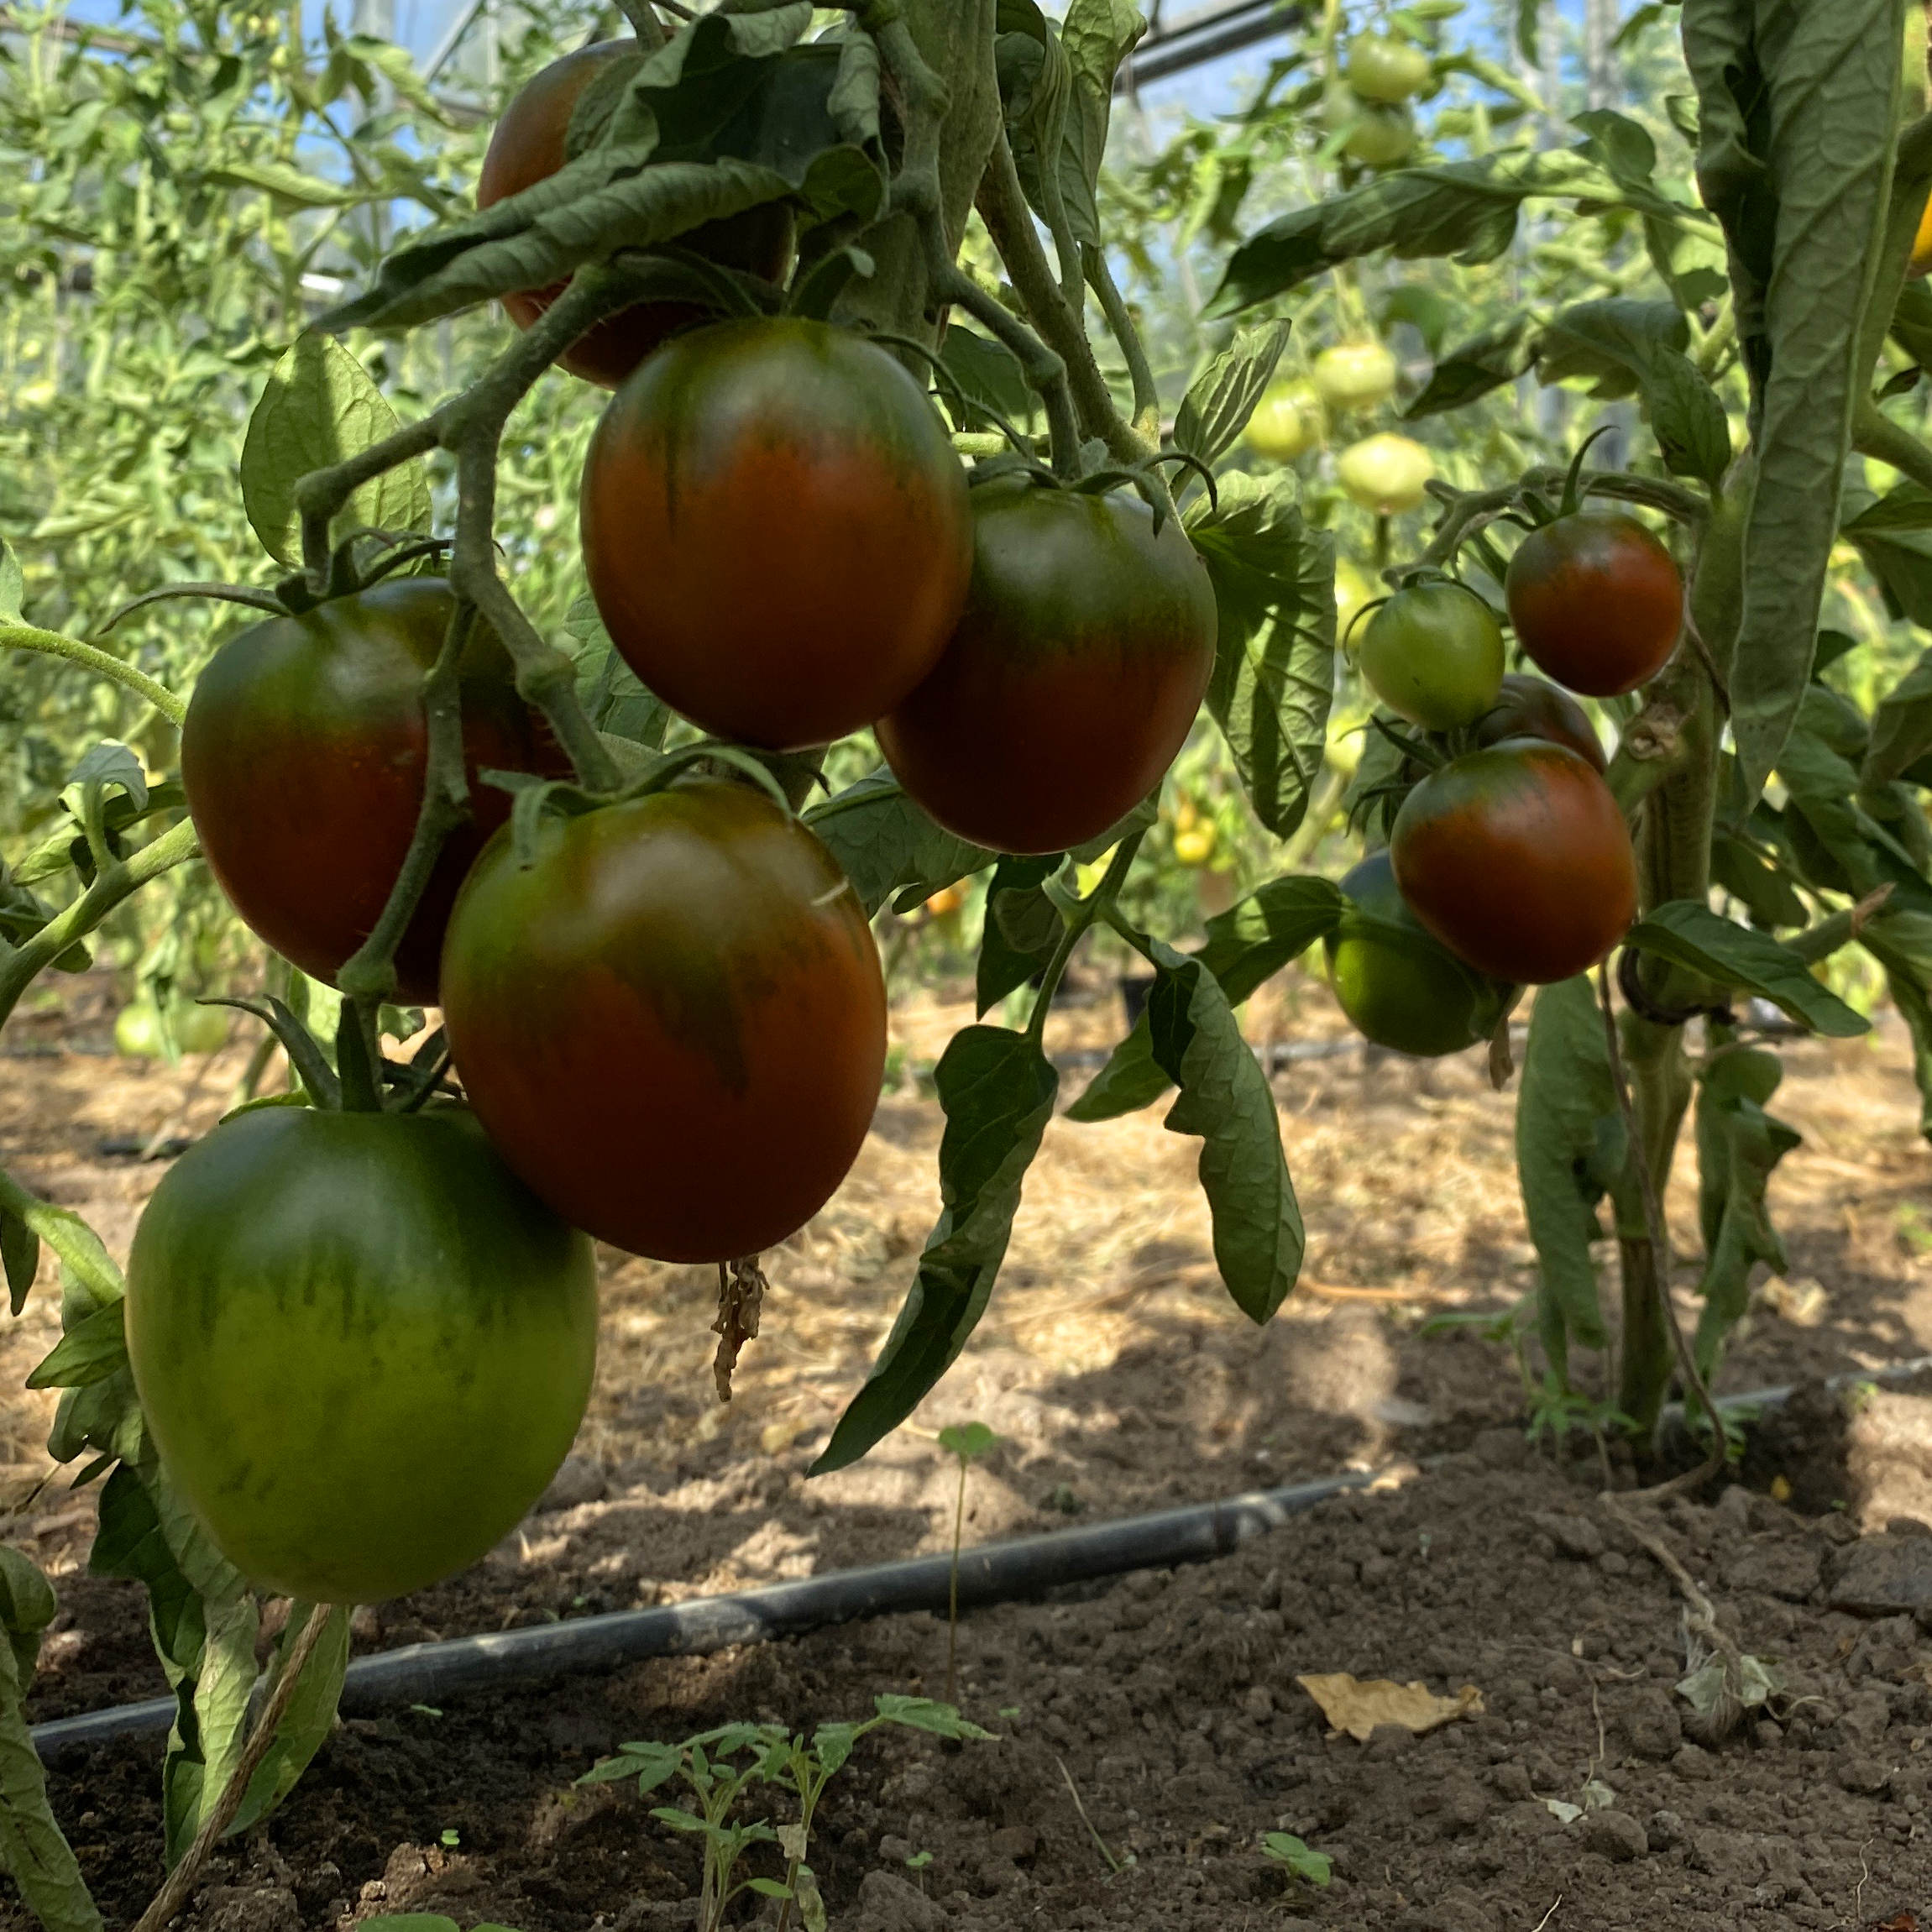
(357, 1404)
(776, 531)
(1517, 858)
(303, 754)
(1399, 986)
(1597, 602)
(1528, 708)
(1433, 654)
(1073, 677)
(672, 1020)
(529, 145)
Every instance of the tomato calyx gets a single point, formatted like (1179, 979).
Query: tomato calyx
(362, 1079)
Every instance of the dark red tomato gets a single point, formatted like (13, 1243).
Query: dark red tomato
(1597, 602)
(528, 146)
(1073, 677)
(1517, 859)
(672, 1023)
(1528, 708)
(302, 757)
(777, 531)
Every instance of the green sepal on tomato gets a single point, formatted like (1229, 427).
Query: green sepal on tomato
(1517, 858)
(1072, 680)
(303, 754)
(777, 530)
(530, 143)
(1398, 985)
(362, 1345)
(1597, 601)
(1433, 654)
(671, 1019)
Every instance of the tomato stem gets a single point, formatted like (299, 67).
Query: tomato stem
(29, 637)
(1086, 913)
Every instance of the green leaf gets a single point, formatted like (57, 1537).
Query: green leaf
(1226, 1098)
(968, 1441)
(1023, 928)
(1246, 946)
(1223, 395)
(111, 766)
(925, 1714)
(886, 844)
(1570, 1141)
(27, 1605)
(20, 1255)
(1836, 842)
(12, 585)
(33, 1851)
(989, 373)
(997, 1089)
(90, 1352)
(318, 408)
(1738, 1144)
(1284, 1847)
(296, 187)
(1797, 122)
(1901, 942)
(1688, 419)
(1486, 362)
(1691, 936)
(1274, 656)
(1096, 36)
(1902, 725)
(1613, 343)
(1907, 507)
(308, 1719)
(413, 1922)
(1765, 893)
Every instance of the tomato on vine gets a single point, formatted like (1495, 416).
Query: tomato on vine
(1381, 68)
(1433, 654)
(1528, 708)
(1399, 986)
(362, 1345)
(1517, 858)
(1357, 375)
(528, 145)
(1073, 676)
(671, 1021)
(1286, 422)
(1379, 137)
(302, 757)
(777, 530)
(1386, 475)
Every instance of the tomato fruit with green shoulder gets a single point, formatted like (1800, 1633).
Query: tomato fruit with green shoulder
(1518, 860)
(363, 1347)
(1380, 68)
(1597, 602)
(1398, 986)
(672, 1022)
(1379, 137)
(777, 530)
(1433, 654)
(1386, 475)
(1355, 375)
(302, 757)
(1073, 676)
(1286, 422)
(528, 146)
(1529, 708)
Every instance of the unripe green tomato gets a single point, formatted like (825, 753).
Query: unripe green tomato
(1433, 654)
(1286, 422)
(200, 1028)
(1355, 375)
(1386, 473)
(1353, 593)
(1380, 137)
(1380, 68)
(138, 1031)
(197, 1029)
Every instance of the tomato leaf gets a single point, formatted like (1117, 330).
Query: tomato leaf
(1798, 128)
(1570, 1144)
(1275, 656)
(1022, 927)
(1226, 1098)
(1613, 343)
(1738, 1144)
(1764, 890)
(319, 406)
(308, 1720)
(1486, 362)
(925, 1714)
(1096, 35)
(1688, 419)
(988, 372)
(1223, 395)
(12, 585)
(89, 1351)
(1902, 725)
(997, 1089)
(1690, 934)
(1836, 842)
(886, 844)
(1246, 945)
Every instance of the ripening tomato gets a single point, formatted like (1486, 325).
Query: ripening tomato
(302, 757)
(528, 146)
(1286, 422)
(1433, 654)
(1518, 860)
(1528, 708)
(777, 530)
(673, 1023)
(1398, 986)
(1597, 602)
(1386, 475)
(1355, 375)
(362, 1345)
(1380, 68)
(1073, 678)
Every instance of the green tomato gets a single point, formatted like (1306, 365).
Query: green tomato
(362, 1345)
(1386, 473)
(197, 1028)
(1355, 375)
(1398, 986)
(1353, 593)
(1433, 654)
(138, 1031)
(1380, 137)
(1380, 68)
(1286, 422)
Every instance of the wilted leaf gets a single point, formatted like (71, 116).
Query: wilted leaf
(1357, 1705)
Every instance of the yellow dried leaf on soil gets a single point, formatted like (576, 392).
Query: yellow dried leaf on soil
(1357, 1705)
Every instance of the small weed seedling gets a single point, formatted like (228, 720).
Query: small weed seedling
(719, 1767)
(1296, 1858)
(917, 1865)
(969, 1442)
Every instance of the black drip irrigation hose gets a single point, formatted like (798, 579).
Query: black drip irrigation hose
(992, 1573)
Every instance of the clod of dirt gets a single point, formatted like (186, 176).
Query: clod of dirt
(1884, 1576)
(887, 1904)
(1615, 1835)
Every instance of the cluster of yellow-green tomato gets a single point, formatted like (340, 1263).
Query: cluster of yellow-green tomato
(1369, 109)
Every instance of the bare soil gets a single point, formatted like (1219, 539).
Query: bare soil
(1119, 1378)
